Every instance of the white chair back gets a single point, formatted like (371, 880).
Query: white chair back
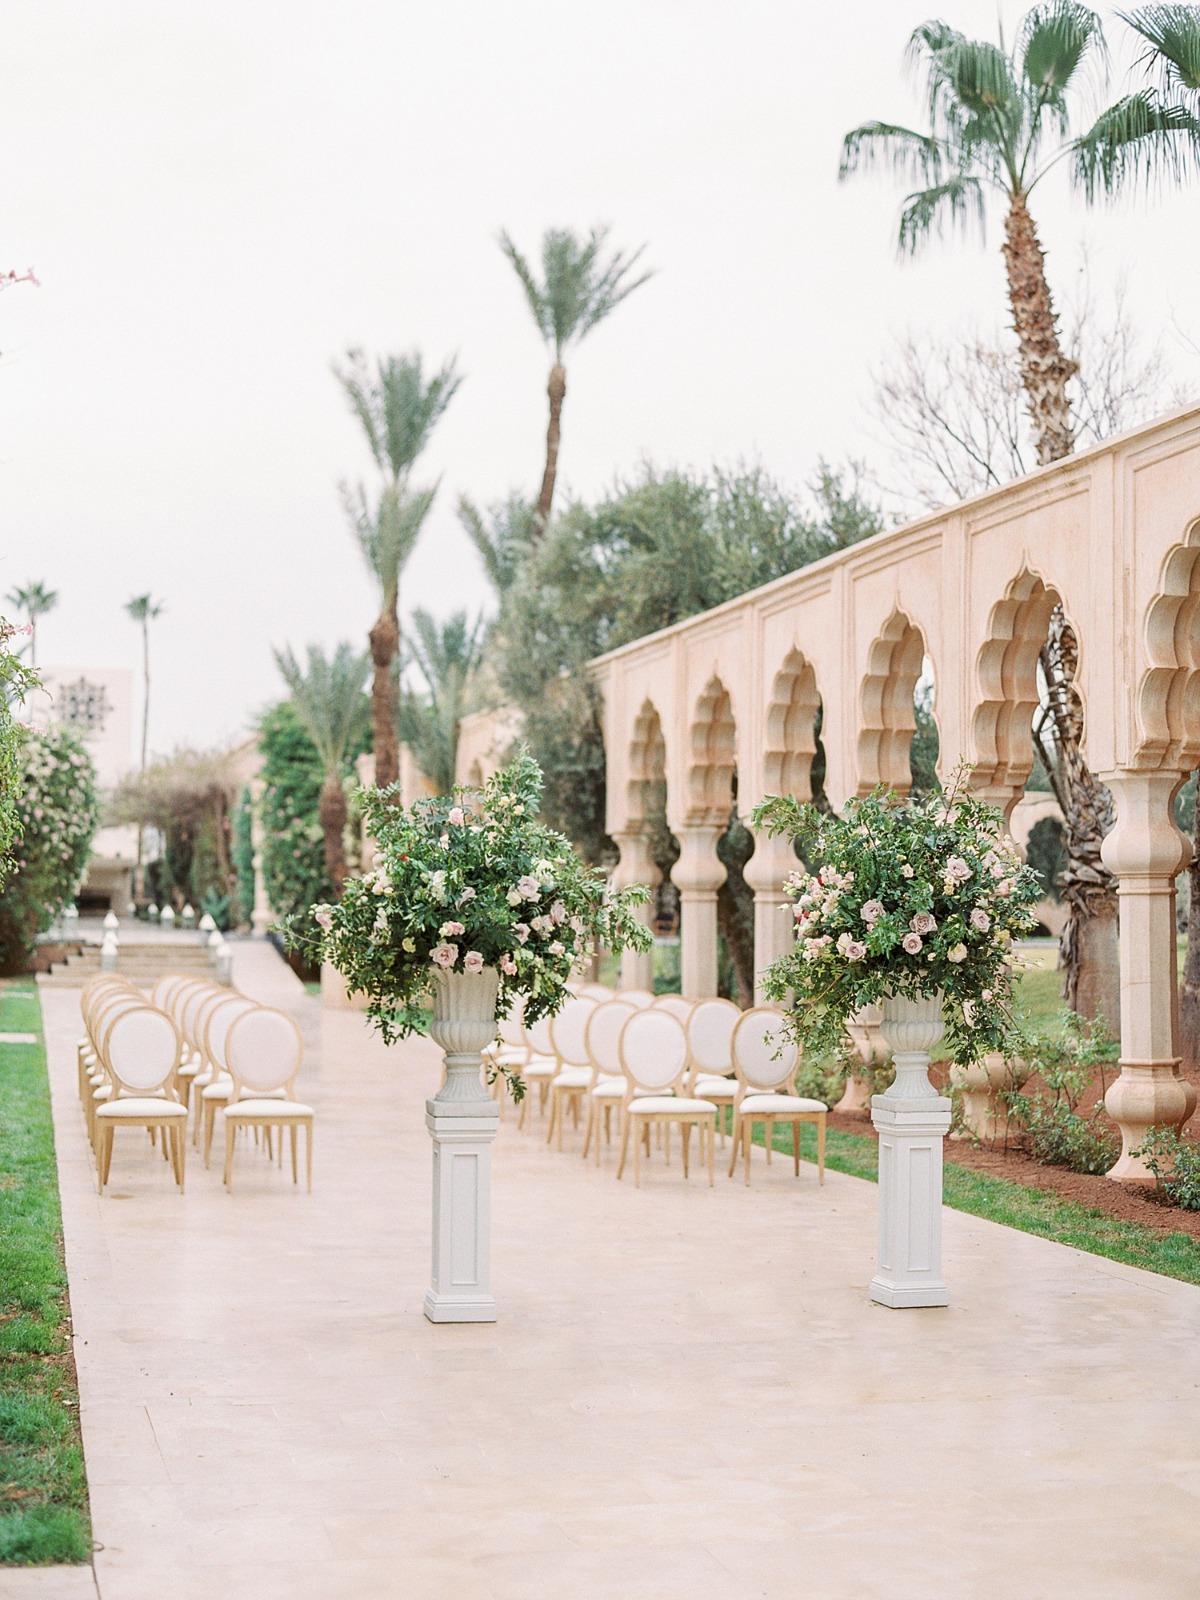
(510, 1028)
(603, 1034)
(710, 1035)
(636, 997)
(568, 1032)
(263, 1050)
(538, 1034)
(675, 1005)
(763, 1053)
(141, 1050)
(217, 1023)
(653, 1051)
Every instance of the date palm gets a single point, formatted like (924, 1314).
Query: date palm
(580, 285)
(329, 698)
(398, 407)
(34, 599)
(143, 610)
(447, 657)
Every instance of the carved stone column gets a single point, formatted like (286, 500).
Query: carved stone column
(773, 860)
(1145, 851)
(262, 916)
(698, 874)
(636, 866)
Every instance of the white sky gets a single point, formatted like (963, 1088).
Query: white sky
(220, 197)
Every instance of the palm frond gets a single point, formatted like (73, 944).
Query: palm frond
(533, 291)
(1139, 139)
(447, 656)
(1172, 33)
(387, 533)
(142, 608)
(328, 695)
(503, 540)
(954, 202)
(909, 153)
(1055, 39)
(397, 405)
(579, 287)
(34, 598)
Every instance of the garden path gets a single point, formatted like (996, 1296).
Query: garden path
(688, 1392)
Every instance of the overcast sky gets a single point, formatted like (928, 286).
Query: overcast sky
(218, 198)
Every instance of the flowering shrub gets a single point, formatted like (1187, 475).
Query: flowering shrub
(912, 897)
(463, 882)
(293, 845)
(17, 681)
(57, 815)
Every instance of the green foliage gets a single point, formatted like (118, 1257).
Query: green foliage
(242, 857)
(579, 286)
(467, 881)
(447, 656)
(219, 907)
(1175, 1162)
(396, 404)
(17, 682)
(329, 700)
(926, 745)
(1048, 1121)
(58, 812)
(822, 1077)
(914, 897)
(1046, 854)
(387, 531)
(293, 845)
(43, 1492)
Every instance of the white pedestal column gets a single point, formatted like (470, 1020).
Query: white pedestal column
(462, 1119)
(911, 1119)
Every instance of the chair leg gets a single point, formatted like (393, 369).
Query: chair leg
(104, 1139)
(796, 1148)
(735, 1143)
(210, 1118)
(181, 1139)
(747, 1128)
(553, 1115)
(230, 1136)
(712, 1140)
(624, 1145)
(685, 1136)
(292, 1130)
(821, 1147)
(637, 1157)
(308, 1130)
(587, 1127)
(768, 1138)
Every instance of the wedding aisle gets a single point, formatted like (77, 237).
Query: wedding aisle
(688, 1392)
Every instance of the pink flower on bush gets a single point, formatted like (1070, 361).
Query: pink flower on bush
(923, 922)
(957, 954)
(445, 955)
(472, 961)
(456, 816)
(521, 932)
(957, 869)
(872, 911)
(323, 917)
(450, 930)
(508, 966)
(980, 919)
(559, 912)
(528, 888)
(913, 943)
(556, 949)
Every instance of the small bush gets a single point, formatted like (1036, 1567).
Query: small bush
(1175, 1162)
(1057, 1136)
(821, 1078)
(1048, 1123)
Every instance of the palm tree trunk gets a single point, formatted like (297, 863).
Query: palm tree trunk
(1045, 370)
(385, 647)
(556, 388)
(139, 873)
(333, 823)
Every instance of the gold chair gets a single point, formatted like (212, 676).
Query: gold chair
(654, 1056)
(570, 1084)
(141, 1050)
(263, 1051)
(607, 1090)
(710, 1026)
(764, 1058)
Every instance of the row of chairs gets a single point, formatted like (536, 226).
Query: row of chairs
(659, 1061)
(193, 1046)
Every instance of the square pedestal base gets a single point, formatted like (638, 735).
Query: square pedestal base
(459, 1308)
(925, 1294)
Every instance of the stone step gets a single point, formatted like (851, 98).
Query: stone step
(137, 962)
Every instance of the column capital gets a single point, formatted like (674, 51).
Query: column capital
(699, 869)
(1145, 841)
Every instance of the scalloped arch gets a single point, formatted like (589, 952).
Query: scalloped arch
(647, 760)
(1168, 700)
(887, 720)
(790, 738)
(1006, 671)
(712, 756)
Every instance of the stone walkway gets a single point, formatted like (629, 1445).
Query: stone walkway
(688, 1396)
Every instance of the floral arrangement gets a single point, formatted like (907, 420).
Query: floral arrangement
(460, 883)
(909, 897)
(58, 812)
(17, 683)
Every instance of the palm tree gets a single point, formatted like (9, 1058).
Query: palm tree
(579, 288)
(34, 599)
(398, 409)
(330, 700)
(143, 611)
(999, 121)
(448, 658)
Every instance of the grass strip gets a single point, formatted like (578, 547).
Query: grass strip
(1014, 1205)
(43, 1491)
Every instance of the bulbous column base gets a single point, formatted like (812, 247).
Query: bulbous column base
(1143, 1098)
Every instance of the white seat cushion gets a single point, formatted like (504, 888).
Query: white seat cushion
(711, 1087)
(609, 1088)
(758, 1105)
(140, 1107)
(191, 1070)
(573, 1078)
(221, 1090)
(668, 1102)
(277, 1110)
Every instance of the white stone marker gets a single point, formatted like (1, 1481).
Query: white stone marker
(463, 1120)
(911, 1119)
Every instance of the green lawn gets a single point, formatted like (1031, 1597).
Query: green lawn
(43, 1492)
(1175, 1255)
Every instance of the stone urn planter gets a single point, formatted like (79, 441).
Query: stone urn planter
(911, 1119)
(985, 1116)
(462, 1119)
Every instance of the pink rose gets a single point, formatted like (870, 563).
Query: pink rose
(923, 922)
(556, 949)
(450, 930)
(957, 869)
(323, 917)
(528, 888)
(521, 931)
(872, 911)
(445, 955)
(508, 966)
(855, 950)
(456, 816)
(472, 961)
(912, 943)
(980, 919)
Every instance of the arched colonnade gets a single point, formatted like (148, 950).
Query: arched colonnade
(730, 698)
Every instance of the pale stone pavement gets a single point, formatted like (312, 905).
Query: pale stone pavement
(688, 1395)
